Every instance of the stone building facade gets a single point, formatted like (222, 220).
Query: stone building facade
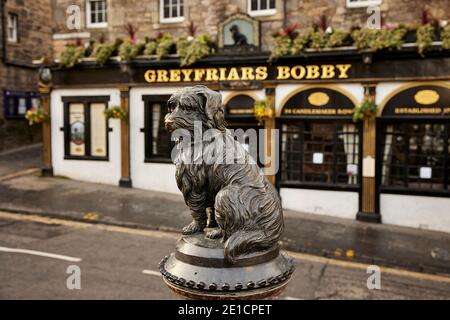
(146, 16)
(25, 35)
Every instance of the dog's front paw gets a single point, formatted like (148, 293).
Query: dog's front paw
(194, 227)
(214, 233)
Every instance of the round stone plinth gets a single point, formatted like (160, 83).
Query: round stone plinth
(198, 270)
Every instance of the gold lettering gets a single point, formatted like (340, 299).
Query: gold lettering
(175, 75)
(327, 71)
(211, 74)
(298, 72)
(223, 75)
(233, 75)
(312, 72)
(198, 74)
(186, 74)
(247, 73)
(162, 75)
(343, 69)
(150, 76)
(261, 73)
(283, 73)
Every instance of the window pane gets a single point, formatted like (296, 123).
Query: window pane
(160, 138)
(414, 155)
(167, 12)
(320, 152)
(271, 4)
(254, 5)
(263, 4)
(77, 129)
(174, 9)
(98, 130)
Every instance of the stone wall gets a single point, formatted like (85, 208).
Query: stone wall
(16, 69)
(206, 15)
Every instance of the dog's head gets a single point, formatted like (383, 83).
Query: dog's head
(192, 104)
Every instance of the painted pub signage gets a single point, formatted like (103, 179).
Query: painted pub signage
(419, 101)
(249, 73)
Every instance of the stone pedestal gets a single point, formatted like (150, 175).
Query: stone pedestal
(198, 270)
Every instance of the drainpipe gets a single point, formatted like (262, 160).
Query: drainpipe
(284, 13)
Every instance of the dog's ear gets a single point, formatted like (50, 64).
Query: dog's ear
(213, 107)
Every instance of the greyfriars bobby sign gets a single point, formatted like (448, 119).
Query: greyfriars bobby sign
(230, 249)
(239, 33)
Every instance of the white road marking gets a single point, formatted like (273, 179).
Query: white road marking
(40, 253)
(152, 273)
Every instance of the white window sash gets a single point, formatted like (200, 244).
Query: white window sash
(170, 19)
(260, 12)
(362, 3)
(12, 27)
(98, 14)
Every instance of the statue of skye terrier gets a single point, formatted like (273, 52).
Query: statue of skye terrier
(243, 206)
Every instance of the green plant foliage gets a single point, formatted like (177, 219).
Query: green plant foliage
(115, 112)
(103, 52)
(283, 44)
(37, 115)
(182, 47)
(138, 49)
(300, 43)
(262, 111)
(165, 43)
(319, 39)
(197, 49)
(150, 48)
(126, 50)
(376, 39)
(445, 37)
(366, 109)
(71, 55)
(424, 38)
(337, 38)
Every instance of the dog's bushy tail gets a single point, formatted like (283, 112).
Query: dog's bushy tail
(244, 241)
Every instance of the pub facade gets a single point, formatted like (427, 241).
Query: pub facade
(390, 166)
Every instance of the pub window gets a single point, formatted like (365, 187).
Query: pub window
(362, 3)
(96, 14)
(12, 27)
(158, 145)
(320, 153)
(415, 155)
(18, 102)
(85, 128)
(261, 7)
(171, 11)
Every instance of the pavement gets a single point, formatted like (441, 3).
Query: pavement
(40, 256)
(26, 192)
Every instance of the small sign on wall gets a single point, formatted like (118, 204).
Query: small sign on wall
(368, 167)
(425, 173)
(352, 169)
(317, 157)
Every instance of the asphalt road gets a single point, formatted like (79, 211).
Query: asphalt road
(112, 261)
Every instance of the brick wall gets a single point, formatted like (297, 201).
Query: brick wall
(16, 70)
(207, 14)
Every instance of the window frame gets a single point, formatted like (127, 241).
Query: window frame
(178, 19)
(362, 3)
(15, 27)
(383, 189)
(319, 185)
(28, 95)
(95, 25)
(147, 129)
(86, 101)
(261, 12)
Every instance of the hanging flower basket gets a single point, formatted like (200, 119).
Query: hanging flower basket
(262, 111)
(36, 115)
(367, 109)
(115, 112)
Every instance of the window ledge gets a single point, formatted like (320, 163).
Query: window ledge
(171, 20)
(96, 25)
(262, 13)
(363, 4)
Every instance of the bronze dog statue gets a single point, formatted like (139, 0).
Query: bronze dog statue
(244, 205)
